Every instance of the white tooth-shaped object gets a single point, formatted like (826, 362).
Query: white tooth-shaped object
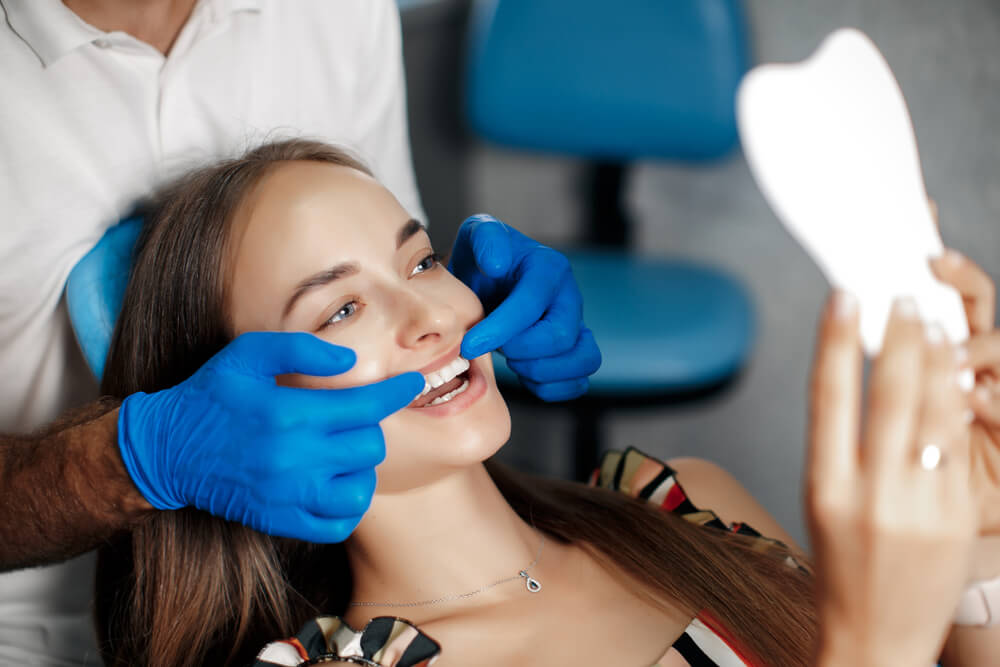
(446, 373)
(451, 394)
(459, 366)
(434, 379)
(831, 146)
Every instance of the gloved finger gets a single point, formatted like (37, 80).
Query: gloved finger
(303, 453)
(558, 391)
(539, 276)
(266, 354)
(339, 496)
(581, 361)
(344, 409)
(491, 245)
(299, 524)
(557, 332)
(463, 262)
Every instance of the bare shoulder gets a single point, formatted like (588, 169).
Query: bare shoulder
(709, 486)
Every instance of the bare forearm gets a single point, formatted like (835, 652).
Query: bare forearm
(65, 490)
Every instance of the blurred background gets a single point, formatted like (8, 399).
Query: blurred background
(947, 60)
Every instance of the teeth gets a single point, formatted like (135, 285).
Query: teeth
(451, 394)
(446, 373)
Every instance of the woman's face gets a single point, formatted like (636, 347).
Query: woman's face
(326, 249)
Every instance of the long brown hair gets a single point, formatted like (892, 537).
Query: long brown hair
(186, 588)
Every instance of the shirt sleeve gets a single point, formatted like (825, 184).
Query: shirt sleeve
(383, 132)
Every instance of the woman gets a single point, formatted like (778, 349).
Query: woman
(496, 567)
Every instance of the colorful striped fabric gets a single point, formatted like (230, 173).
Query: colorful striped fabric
(384, 642)
(704, 643)
(394, 642)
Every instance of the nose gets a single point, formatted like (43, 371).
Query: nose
(428, 321)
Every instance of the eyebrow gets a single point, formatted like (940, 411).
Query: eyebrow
(320, 279)
(344, 269)
(409, 228)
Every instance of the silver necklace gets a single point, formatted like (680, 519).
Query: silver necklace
(532, 584)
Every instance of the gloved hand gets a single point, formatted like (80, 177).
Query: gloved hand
(535, 309)
(286, 461)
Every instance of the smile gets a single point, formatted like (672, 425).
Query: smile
(452, 387)
(444, 384)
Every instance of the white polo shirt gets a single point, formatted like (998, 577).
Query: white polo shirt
(90, 122)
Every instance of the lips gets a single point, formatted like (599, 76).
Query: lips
(442, 394)
(441, 385)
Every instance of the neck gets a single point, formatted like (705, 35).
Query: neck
(454, 536)
(156, 22)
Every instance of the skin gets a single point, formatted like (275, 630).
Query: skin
(970, 645)
(89, 496)
(907, 537)
(907, 524)
(156, 22)
(437, 524)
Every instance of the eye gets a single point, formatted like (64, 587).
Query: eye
(426, 264)
(346, 311)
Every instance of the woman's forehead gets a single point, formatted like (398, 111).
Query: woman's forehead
(309, 203)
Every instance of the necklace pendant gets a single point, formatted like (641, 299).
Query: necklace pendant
(533, 585)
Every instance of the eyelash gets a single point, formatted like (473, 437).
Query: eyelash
(349, 304)
(435, 260)
(353, 306)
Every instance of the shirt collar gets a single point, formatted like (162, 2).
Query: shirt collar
(48, 27)
(52, 30)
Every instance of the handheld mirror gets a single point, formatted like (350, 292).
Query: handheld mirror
(831, 146)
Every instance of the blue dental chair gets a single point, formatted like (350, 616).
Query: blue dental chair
(613, 83)
(95, 289)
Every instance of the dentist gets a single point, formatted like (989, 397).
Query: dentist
(104, 100)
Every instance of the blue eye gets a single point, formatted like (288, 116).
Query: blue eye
(427, 263)
(346, 311)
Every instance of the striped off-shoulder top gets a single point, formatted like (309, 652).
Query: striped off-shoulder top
(388, 641)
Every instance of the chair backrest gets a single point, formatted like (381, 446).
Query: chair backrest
(95, 289)
(610, 80)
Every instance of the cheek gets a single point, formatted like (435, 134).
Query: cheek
(371, 348)
(467, 305)
(365, 371)
(371, 366)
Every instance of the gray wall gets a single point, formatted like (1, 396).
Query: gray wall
(946, 58)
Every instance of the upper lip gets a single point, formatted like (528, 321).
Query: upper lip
(441, 361)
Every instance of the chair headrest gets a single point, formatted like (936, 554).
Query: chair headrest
(96, 287)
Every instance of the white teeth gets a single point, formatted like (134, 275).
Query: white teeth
(446, 373)
(451, 394)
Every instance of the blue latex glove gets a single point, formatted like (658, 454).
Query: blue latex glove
(286, 461)
(534, 305)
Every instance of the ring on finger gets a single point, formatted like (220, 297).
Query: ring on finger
(930, 457)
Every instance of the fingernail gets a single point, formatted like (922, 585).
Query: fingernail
(906, 307)
(968, 417)
(952, 257)
(966, 380)
(961, 355)
(845, 305)
(934, 333)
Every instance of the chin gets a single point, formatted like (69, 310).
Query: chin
(420, 450)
